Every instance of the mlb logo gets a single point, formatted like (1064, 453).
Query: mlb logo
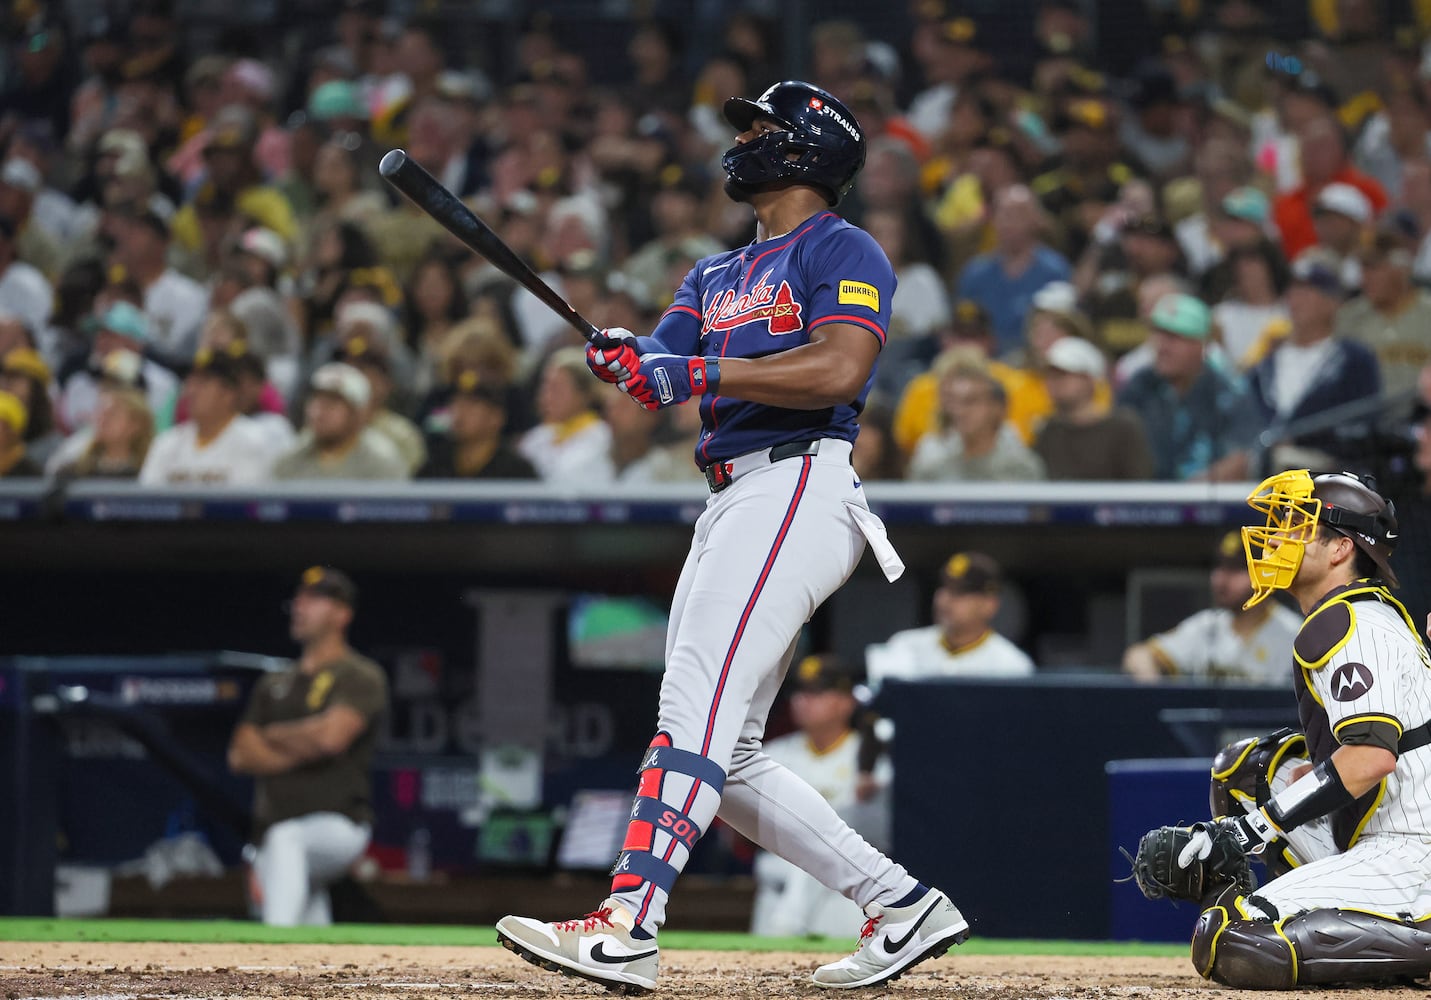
(816, 103)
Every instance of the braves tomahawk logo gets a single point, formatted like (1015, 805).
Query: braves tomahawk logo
(1351, 681)
(775, 305)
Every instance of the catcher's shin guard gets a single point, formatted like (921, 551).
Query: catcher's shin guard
(1242, 780)
(1309, 949)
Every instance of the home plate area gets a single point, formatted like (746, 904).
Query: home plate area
(151, 971)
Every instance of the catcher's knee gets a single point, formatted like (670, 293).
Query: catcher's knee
(1312, 948)
(1247, 954)
(1242, 780)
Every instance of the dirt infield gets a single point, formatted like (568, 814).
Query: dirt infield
(350, 972)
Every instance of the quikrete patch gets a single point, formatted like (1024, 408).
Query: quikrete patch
(858, 293)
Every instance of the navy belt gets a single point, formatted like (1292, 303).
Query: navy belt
(718, 474)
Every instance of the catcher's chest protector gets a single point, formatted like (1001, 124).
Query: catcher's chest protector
(1324, 632)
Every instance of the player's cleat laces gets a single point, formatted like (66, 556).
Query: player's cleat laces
(598, 946)
(895, 938)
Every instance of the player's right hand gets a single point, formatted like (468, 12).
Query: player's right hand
(615, 362)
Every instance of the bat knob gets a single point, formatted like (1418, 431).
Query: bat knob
(392, 162)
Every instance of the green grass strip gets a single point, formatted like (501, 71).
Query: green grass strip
(241, 932)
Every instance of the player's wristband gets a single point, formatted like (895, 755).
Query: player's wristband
(1313, 795)
(705, 375)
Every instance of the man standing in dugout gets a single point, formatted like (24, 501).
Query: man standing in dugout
(1340, 813)
(307, 739)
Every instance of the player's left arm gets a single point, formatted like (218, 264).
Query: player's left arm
(356, 698)
(831, 369)
(327, 734)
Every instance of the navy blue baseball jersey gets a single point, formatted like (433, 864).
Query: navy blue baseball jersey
(766, 298)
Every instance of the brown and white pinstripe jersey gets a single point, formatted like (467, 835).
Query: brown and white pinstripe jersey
(1365, 678)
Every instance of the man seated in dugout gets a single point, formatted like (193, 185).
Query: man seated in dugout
(1339, 813)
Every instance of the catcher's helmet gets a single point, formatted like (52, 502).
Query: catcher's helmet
(1295, 504)
(829, 144)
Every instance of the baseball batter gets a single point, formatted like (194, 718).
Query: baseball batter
(1342, 810)
(778, 341)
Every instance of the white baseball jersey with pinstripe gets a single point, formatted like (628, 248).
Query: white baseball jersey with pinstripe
(1365, 677)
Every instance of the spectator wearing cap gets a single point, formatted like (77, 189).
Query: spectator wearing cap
(336, 442)
(1145, 248)
(1199, 419)
(1324, 161)
(829, 752)
(1088, 176)
(24, 291)
(358, 347)
(475, 444)
(677, 210)
(233, 195)
(174, 304)
(1154, 133)
(263, 255)
(24, 374)
(962, 642)
(307, 738)
(572, 444)
(217, 445)
(115, 445)
(1055, 315)
(1342, 217)
(974, 440)
(1392, 316)
(20, 184)
(226, 333)
(1243, 221)
(268, 325)
(1255, 304)
(15, 463)
(1310, 371)
(1004, 281)
(1082, 439)
(1223, 642)
(122, 327)
(948, 54)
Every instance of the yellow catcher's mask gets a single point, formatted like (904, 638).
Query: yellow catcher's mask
(1274, 551)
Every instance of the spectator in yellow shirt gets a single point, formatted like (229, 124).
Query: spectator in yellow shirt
(1053, 316)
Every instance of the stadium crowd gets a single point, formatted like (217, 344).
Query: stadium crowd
(1206, 267)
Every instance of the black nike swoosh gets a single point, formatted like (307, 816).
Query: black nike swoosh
(598, 954)
(893, 947)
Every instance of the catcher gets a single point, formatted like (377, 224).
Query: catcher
(1340, 813)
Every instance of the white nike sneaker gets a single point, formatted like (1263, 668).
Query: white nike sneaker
(598, 946)
(894, 939)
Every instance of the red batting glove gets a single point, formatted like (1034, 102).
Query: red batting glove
(615, 362)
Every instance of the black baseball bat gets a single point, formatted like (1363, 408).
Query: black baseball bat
(428, 194)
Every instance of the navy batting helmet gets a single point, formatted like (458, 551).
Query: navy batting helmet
(829, 144)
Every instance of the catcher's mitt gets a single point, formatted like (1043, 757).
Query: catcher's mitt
(1156, 871)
